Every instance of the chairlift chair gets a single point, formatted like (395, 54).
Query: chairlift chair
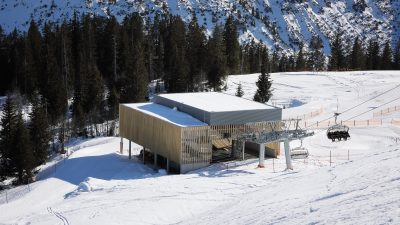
(338, 131)
(299, 152)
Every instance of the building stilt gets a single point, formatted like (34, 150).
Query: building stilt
(144, 153)
(262, 156)
(287, 155)
(121, 146)
(167, 165)
(130, 150)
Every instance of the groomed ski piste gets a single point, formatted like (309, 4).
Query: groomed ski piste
(358, 184)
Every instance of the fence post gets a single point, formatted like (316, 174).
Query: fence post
(330, 158)
(354, 123)
(367, 123)
(348, 154)
(6, 197)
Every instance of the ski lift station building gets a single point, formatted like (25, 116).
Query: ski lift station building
(183, 131)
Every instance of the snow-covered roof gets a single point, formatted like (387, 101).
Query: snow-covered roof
(167, 114)
(215, 101)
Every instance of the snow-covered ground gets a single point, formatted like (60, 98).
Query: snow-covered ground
(97, 185)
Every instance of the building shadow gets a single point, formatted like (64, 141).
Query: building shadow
(105, 167)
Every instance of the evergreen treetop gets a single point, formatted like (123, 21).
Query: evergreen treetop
(239, 91)
(264, 92)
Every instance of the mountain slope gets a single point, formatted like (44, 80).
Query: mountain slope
(278, 23)
(97, 185)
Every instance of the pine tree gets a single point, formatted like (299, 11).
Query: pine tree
(216, 59)
(386, 58)
(373, 60)
(275, 62)
(7, 125)
(125, 70)
(337, 59)
(396, 64)
(132, 68)
(22, 157)
(112, 104)
(316, 58)
(93, 92)
(265, 58)
(300, 60)
(53, 87)
(107, 56)
(263, 93)
(285, 65)
(196, 41)
(253, 63)
(232, 48)
(32, 60)
(159, 69)
(176, 63)
(39, 131)
(78, 119)
(5, 62)
(357, 56)
(239, 91)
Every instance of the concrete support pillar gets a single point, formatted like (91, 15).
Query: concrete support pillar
(121, 146)
(155, 159)
(243, 148)
(262, 156)
(130, 150)
(287, 155)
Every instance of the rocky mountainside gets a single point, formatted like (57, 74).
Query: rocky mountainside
(277, 23)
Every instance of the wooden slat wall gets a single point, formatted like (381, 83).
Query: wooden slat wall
(196, 145)
(217, 131)
(151, 132)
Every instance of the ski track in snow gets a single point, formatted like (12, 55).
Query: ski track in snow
(58, 215)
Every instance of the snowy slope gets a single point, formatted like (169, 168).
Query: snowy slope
(305, 92)
(97, 185)
(278, 23)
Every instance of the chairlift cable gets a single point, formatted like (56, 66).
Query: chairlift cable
(370, 99)
(345, 111)
(365, 112)
(372, 109)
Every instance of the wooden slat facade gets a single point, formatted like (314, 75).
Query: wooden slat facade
(196, 145)
(182, 145)
(151, 132)
(231, 132)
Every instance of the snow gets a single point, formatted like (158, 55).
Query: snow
(215, 102)
(167, 114)
(326, 90)
(97, 185)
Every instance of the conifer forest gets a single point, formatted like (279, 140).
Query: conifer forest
(67, 80)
